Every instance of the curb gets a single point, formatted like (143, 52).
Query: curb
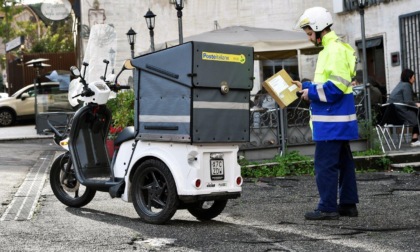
(5, 139)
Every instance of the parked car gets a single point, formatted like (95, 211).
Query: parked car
(4, 95)
(21, 105)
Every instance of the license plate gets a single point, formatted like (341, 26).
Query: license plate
(217, 169)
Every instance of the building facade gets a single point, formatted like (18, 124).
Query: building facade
(391, 29)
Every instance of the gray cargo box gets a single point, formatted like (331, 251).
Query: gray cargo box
(182, 96)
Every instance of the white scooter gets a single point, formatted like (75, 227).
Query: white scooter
(158, 177)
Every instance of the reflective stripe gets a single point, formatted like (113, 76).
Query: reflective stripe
(321, 93)
(337, 118)
(340, 79)
(220, 105)
(164, 118)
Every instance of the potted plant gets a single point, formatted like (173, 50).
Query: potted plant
(122, 109)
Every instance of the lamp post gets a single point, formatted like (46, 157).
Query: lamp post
(37, 64)
(150, 21)
(179, 5)
(131, 35)
(362, 5)
(112, 58)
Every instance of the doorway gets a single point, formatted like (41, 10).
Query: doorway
(375, 61)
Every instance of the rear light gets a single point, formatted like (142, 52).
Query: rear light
(239, 180)
(197, 183)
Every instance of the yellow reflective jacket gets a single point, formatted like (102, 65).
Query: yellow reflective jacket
(333, 112)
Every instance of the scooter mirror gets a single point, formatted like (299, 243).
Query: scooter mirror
(128, 65)
(75, 71)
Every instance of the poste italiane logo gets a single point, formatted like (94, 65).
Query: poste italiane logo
(237, 58)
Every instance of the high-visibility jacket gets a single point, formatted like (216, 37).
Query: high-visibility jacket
(333, 112)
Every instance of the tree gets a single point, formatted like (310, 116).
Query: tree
(57, 36)
(8, 8)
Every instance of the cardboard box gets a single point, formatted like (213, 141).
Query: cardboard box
(280, 87)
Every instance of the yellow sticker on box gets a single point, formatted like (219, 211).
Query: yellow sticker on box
(225, 57)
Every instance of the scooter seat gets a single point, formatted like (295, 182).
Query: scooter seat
(128, 133)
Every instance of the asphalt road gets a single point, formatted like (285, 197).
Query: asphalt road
(268, 216)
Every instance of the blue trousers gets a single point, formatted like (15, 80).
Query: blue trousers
(335, 175)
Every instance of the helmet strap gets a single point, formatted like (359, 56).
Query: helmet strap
(318, 39)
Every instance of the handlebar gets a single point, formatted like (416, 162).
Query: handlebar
(87, 92)
(117, 87)
(114, 86)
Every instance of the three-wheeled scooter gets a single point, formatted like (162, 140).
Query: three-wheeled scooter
(191, 113)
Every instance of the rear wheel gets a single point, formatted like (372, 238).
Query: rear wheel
(154, 192)
(7, 117)
(65, 185)
(207, 210)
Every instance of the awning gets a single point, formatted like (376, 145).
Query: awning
(272, 43)
(372, 42)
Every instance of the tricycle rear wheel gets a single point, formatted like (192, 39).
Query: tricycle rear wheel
(207, 210)
(154, 192)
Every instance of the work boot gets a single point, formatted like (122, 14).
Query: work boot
(319, 215)
(349, 210)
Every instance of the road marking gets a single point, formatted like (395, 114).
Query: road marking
(299, 230)
(26, 198)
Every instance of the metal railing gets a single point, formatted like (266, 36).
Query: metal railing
(288, 127)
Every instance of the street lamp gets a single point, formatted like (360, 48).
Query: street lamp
(150, 21)
(362, 5)
(37, 64)
(131, 35)
(112, 58)
(179, 5)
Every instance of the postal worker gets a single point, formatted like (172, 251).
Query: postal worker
(333, 118)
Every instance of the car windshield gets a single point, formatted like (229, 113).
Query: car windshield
(22, 90)
(46, 88)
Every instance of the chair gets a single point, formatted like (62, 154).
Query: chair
(393, 119)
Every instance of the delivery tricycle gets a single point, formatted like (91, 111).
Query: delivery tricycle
(191, 113)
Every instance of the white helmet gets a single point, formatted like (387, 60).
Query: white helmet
(318, 18)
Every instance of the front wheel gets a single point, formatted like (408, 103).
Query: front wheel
(7, 118)
(154, 192)
(207, 210)
(65, 185)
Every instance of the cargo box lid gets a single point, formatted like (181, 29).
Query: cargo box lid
(202, 64)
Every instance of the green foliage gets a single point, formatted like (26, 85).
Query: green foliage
(408, 169)
(56, 36)
(384, 162)
(369, 152)
(9, 9)
(290, 164)
(55, 39)
(365, 128)
(3, 61)
(122, 109)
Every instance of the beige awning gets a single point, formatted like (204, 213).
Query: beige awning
(262, 39)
